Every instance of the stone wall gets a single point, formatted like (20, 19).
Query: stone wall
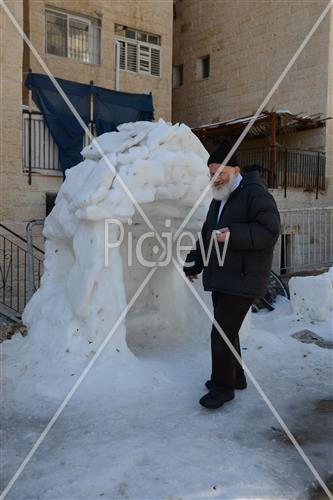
(249, 44)
(20, 202)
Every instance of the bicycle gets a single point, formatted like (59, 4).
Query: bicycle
(276, 287)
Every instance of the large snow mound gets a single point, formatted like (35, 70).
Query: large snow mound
(80, 298)
(312, 296)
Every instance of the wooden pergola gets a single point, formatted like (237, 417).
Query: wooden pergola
(269, 124)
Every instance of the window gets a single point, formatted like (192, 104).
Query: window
(128, 56)
(203, 67)
(56, 34)
(177, 76)
(72, 36)
(139, 52)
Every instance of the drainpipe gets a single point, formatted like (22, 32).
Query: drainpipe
(29, 125)
(117, 73)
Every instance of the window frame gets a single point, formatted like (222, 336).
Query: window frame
(200, 67)
(134, 41)
(126, 68)
(82, 19)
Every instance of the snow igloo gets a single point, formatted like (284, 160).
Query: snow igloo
(82, 296)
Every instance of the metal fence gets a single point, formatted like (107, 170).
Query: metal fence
(306, 241)
(14, 290)
(293, 168)
(39, 149)
(40, 152)
(305, 244)
(288, 168)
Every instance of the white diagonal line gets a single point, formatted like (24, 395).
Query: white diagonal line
(257, 386)
(81, 122)
(257, 113)
(76, 385)
(307, 461)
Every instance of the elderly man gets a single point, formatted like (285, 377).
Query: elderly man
(245, 213)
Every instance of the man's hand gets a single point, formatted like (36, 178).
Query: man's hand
(192, 277)
(220, 234)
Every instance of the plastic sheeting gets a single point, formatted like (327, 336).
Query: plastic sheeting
(110, 109)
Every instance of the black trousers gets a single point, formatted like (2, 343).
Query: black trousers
(229, 313)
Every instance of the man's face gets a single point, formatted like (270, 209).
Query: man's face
(224, 182)
(225, 174)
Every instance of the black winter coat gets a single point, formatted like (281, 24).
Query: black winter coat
(252, 216)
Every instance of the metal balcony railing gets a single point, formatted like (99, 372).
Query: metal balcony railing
(39, 149)
(283, 168)
(286, 168)
(40, 152)
(14, 276)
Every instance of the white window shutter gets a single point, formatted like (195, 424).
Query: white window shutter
(140, 57)
(122, 55)
(132, 57)
(144, 58)
(155, 58)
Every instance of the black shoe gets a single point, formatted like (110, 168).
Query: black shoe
(216, 398)
(240, 383)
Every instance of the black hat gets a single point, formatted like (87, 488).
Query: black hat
(221, 152)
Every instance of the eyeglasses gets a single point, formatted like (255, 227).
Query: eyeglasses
(221, 174)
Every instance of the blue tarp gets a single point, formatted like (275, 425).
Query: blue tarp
(111, 108)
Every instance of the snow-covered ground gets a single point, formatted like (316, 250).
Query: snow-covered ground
(135, 429)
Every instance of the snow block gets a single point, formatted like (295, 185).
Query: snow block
(82, 296)
(312, 296)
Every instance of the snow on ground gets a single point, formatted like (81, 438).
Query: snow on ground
(134, 429)
(312, 296)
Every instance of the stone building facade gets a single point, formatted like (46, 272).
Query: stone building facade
(248, 44)
(21, 202)
(227, 56)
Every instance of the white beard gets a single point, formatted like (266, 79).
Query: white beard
(222, 193)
